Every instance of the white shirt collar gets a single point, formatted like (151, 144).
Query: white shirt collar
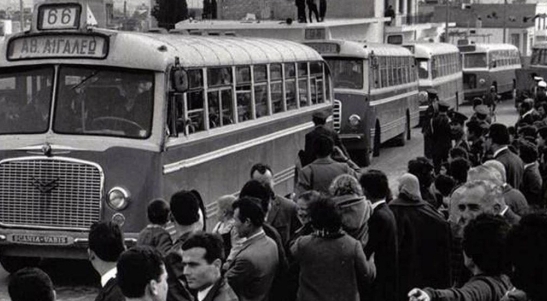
(527, 113)
(107, 276)
(253, 236)
(203, 293)
(529, 164)
(502, 213)
(378, 204)
(500, 150)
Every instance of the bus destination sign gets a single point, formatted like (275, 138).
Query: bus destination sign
(325, 48)
(58, 46)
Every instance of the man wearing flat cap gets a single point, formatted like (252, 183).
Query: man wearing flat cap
(319, 120)
(541, 95)
(457, 121)
(497, 140)
(482, 114)
(430, 113)
(442, 141)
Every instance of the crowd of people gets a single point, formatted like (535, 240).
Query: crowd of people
(466, 225)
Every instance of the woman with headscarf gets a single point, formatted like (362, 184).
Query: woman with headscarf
(423, 239)
(352, 206)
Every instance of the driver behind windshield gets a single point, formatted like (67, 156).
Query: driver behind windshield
(136, 102)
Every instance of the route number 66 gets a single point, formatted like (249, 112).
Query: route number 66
(59, 17)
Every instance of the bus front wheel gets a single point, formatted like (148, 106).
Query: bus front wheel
(14, 263)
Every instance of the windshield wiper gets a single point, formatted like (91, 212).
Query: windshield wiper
(87, 78)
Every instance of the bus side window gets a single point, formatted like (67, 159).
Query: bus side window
(189, 107)
(316, 81)
(276, 79)
(261, 90)
(243, 93)
(290, 86)
(303, 84)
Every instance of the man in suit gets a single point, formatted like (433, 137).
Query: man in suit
(253, 268)
(531, 179)
(319, 174)
(202, 258)
(105, 247)
(142, 275)
(497, 140)
(282, 214)
(310, 152)
(382, 237)
(31, 284)
(441, 136)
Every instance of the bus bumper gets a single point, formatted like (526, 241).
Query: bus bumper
(470, 94)
(48, 243)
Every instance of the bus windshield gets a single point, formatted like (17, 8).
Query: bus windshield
(346, 73)
(100, 101)
(25, 100)
(474, 60)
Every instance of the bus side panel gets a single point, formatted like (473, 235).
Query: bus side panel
(220, 165)
(504, 79)
(390, 108)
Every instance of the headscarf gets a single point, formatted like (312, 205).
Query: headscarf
(410, 186)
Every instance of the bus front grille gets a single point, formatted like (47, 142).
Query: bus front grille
(337, 115)
(50, 193)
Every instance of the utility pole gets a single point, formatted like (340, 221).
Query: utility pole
(22, 15)
(504, 21)
(446, 39)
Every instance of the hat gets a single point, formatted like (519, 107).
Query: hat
(538, 78)
(444, 103)
(432, 91)
(499, 134)
(481, 109)
(458, 117)
(542, 84)
(320, 115)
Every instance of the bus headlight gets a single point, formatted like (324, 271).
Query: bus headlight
(354, 120)
(482, 81)
(118, 198)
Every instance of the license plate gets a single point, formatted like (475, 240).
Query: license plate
(40, 239)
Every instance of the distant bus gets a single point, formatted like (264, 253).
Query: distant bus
(96, 123)
(439, 67)
(376, 94)
(487, 65)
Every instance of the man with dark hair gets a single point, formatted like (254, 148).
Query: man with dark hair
(457, 121)
(457, 152)
(430, 113)
(262, 191)
(142, 275)
(484, 250)
(319, 174)
(187, 219)
(253, 268)
(497, 140)
(105, 246)
(458, 170)
(282, 214)
(531, 179)
(382, 237)
(319, 120)
(422, 168)
(527, 248)
(202, 258)
(31, 284)
(475, 137)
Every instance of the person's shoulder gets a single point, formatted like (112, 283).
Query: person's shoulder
(112, 291)
(284, 202)
(225, 292)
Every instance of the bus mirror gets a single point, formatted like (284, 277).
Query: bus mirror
(493, 63)
(179, 79)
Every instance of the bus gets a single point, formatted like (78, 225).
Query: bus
(96, 123)
(375, 91)
(489, 65)
(526, 84)
(439, 68)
